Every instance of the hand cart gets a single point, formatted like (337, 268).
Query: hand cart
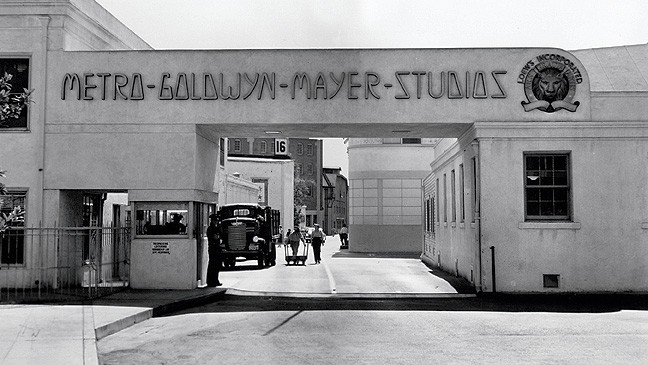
(296, 259)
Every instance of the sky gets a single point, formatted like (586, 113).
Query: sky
(253, 24)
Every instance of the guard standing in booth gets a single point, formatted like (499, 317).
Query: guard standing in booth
(214, 249)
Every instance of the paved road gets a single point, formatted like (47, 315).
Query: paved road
(273, 330)
(300, 315)
(341, 273)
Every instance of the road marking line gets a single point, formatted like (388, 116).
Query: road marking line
(330, 278)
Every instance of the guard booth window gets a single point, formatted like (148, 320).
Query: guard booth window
(161, 219)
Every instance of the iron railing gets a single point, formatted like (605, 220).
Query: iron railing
(65, 263)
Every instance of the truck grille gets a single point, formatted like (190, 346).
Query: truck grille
(236, 237)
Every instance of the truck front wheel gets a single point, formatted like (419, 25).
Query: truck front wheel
(260, 261)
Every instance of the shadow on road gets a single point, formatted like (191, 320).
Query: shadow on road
(244, 268)
(567, 303)
(384, 255)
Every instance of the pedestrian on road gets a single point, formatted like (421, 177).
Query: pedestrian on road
(285, 240)
(214, 249)
(318, 238)
(344, 235)
(294, 238)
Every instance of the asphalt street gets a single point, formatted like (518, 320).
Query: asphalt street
(280, 323)
(279, 330)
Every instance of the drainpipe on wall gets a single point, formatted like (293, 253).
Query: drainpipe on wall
(477, 213)
(492, 248)
(45, 21)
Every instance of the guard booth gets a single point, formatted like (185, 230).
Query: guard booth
(169, 245)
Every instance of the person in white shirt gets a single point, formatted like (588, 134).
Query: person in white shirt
(344, 235)
(318, 239)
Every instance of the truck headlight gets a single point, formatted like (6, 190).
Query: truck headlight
(255, 239)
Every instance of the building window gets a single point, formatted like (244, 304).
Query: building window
(462, 209)
(437, 192)
(433, 217)
(264, 147)
(309, 169)
(222, 152)
(12, 248)
(445, 199)
(237, 145)
(547, 186)
(298, 169)
(309, 150)
(411, 141)
(18, 68)
(473, 188)
(453, 194)
(300, 149)
(429, 214)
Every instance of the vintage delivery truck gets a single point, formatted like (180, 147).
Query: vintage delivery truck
(248, 232)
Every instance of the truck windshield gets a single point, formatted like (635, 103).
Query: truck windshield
(236, 212)
(241, 213)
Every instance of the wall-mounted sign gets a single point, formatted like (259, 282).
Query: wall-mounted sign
(281, 146)
(160, 248)
(550, 83)
(408, 84)
(263, 190)
(283, 88)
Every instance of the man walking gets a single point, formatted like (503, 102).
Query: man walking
(318, 239)
(344, 236)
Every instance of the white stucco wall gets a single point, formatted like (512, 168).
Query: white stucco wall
(30, 30)
(454, 245)
(175, 270)
(385, 204)
(280, 176)
(606, 246)
(240, 190)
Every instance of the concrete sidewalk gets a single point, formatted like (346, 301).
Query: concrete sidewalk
(67, 334)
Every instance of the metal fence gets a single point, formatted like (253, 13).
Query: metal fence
(65, 263)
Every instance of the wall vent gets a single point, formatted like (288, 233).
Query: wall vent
(550, 280)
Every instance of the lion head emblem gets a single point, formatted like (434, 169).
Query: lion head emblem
(550, 85)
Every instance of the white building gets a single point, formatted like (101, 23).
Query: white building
(550, 206)
(385, 179)
(273, 180)
(537, 185)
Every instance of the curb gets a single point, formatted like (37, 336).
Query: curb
(156, 311)
(167, 308)
(254, 293)
(120, 324)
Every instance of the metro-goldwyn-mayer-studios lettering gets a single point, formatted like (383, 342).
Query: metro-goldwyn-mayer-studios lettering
(299, 86)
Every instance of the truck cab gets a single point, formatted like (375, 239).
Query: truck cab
(247, 231)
